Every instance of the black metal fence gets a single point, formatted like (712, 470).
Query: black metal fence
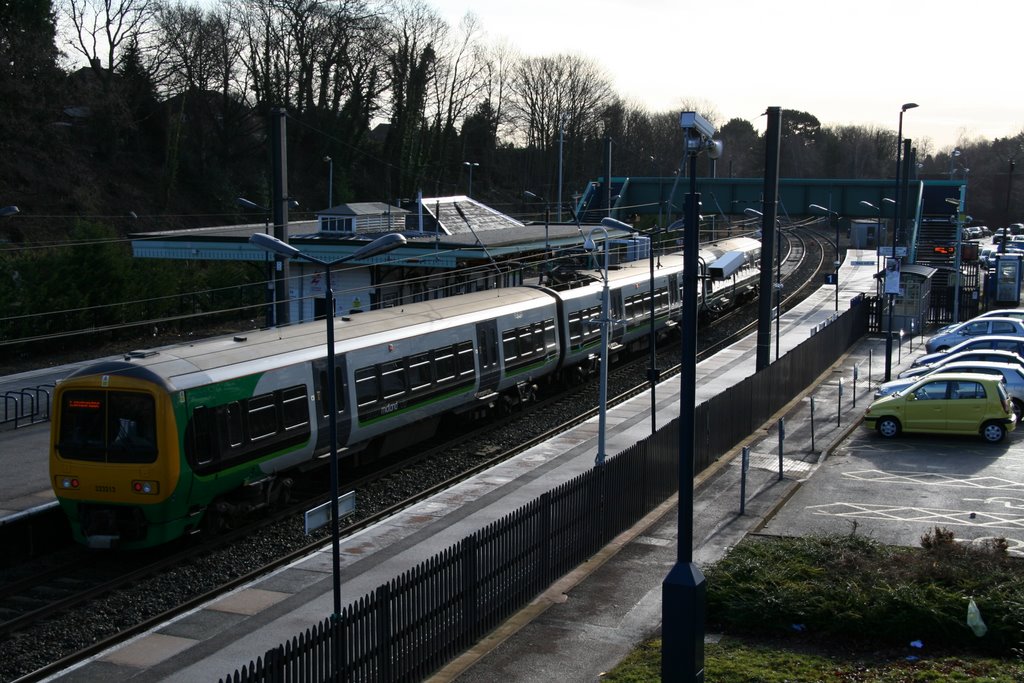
(414, 624)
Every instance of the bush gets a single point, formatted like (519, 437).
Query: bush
(854, 587)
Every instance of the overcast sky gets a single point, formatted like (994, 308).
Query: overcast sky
(959, 61)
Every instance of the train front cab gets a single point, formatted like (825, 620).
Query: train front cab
(114, 461)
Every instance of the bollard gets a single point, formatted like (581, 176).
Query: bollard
(911, 336)
(839, 404)
(871, 353)
(856, 368)
(782, 440)
(812, 423)
(899, 356)
(744, 466)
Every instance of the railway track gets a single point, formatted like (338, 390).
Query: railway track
(43, 635)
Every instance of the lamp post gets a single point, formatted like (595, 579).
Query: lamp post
(895, 236)
(271, 297)
(684, 590)
(602, 399)
(958, 259)
(382, 244)
(778, 276)
(330, 181)
(471, 165)
(547, 220)
(829, 214)
(652, 371)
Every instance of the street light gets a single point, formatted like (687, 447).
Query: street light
(652, 371)
(382, 244)
(895, 238)
(957, 260)
(829, 213)
(778, 275)
(547, 219)
(684, 590)
(330, 181)
(471, 165)
(271, 296)
(602, 399)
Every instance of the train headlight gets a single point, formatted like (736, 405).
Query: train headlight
(67, 482)
(146, 487)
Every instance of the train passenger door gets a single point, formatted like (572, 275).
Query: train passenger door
(344, 411)
(487, 352)
(618, 312)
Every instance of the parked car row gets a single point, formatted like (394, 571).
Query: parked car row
(970, 381)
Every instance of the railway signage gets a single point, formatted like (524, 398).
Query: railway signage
(321, 514)
(887, 251)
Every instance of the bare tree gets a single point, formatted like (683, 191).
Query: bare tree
(100, 29)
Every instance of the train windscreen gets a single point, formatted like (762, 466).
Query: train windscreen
(107, 426)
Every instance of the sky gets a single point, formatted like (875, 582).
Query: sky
(847, 63)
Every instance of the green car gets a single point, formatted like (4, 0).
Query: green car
(946, 403)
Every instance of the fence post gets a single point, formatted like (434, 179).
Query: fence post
(839, 405)
(856, 370)
(470, 614)
(812, 423)
(545, 538)
(384, 644)
(744, 466)
(782, 440)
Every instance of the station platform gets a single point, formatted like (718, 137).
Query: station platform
(592, 617)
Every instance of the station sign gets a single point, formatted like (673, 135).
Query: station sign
(887, 251)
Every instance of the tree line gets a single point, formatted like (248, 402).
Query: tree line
(141, 115)
(160, 108)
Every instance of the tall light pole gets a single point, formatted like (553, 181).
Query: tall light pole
(602, 400)
(561, 142)
(778, 276)
(895, 237)
(684, 590)
(330, 181)
(382, 244)
(271, 296)
(471, 165)
(652, 372)
(958, 259)
(830, 215)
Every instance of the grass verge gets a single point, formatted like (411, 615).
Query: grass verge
(847, 608)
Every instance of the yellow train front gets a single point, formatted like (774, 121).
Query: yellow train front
(115, 461)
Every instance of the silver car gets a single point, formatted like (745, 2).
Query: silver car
(1007, 343)
(1012, 373)
(997, 313)
(977, 327)
(991, 355)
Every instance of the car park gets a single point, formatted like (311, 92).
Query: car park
(977, 327)
(1007, 343)
(989, 355)
(1012, 375)
(946, 403)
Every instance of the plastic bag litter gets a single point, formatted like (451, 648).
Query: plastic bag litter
(974, 620)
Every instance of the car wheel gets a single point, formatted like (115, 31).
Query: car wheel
(993, 432)
(889, 427)
(1018, 409)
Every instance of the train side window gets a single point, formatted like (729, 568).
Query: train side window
(262, 417)
(294, 408)
(509, 345)
(367, 386)
(444, 365)
(419, 372)
(232, 417)
(392, 379)
(465, 358)
(549, 334)
(576, 327)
